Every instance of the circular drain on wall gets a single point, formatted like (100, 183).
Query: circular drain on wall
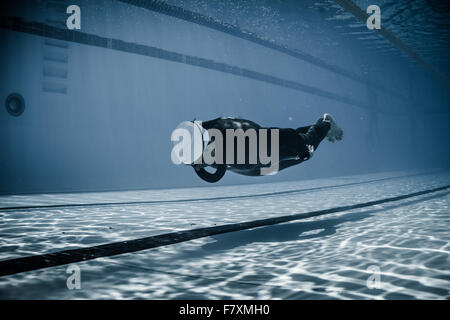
(15, 104)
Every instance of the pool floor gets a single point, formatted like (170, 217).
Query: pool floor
(396, 250)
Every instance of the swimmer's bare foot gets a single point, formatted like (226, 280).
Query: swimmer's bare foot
(335, 132)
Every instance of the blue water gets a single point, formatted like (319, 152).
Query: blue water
(422, 25)
(100, 108)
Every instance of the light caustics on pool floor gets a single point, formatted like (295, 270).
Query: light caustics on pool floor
(324, 257)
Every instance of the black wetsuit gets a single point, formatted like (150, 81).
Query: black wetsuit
(293, 146)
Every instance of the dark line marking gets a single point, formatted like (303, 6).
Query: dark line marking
(57, 44)
(36, 262)
(268, 194)
(215, 24)
(40, 29)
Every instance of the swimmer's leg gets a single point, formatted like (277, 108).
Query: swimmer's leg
(302, 129)
(316, 133)
(325, 126)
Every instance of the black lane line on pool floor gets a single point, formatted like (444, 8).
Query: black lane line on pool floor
(268, 194)
(35, 262)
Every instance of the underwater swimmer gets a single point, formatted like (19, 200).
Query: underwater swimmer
(294, 145)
